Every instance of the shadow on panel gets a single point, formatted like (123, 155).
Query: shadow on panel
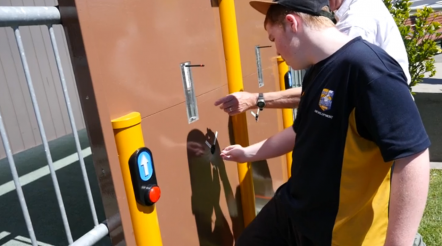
(208, 181)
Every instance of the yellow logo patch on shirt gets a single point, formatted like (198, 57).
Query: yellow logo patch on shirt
(325, 102)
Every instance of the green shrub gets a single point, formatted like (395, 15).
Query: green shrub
(418, 37)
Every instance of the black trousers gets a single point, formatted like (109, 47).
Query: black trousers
(272, 227)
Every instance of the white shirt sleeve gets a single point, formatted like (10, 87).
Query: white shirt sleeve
(356, 31)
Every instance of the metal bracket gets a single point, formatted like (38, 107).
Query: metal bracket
(189, 91)
(258, 64)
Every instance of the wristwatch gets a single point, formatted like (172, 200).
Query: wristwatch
(261, 103)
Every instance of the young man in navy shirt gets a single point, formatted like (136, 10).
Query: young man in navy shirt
(355, 118)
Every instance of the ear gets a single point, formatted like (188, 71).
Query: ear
(292, 21)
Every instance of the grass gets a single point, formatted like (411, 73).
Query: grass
(431, 224)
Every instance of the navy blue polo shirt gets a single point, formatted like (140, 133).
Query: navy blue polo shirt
(355, 117)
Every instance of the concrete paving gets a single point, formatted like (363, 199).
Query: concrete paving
(429, 105)
(428, 99)
(436, 165)
(433, 84)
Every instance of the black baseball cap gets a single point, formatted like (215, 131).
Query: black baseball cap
(311, 7)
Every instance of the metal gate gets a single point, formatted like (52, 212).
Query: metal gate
(14, 18)
(297, 77)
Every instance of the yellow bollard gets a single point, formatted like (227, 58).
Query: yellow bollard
(129, 138)
(287, 113)
(235, 83)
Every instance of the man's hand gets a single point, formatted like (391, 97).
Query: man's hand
(237, 102)
(234, 153)
(277, 145)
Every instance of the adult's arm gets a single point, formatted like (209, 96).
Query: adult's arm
(240, 102)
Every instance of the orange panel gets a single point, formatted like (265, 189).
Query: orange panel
(140, 44)
(199, 203)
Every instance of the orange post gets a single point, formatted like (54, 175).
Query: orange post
(287, 113)
(235, 84)
(129, 137)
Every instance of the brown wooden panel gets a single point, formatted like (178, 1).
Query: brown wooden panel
(199, 190)
(140, 45)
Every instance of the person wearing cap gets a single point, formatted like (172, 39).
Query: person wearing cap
(355, 118)
(369, 19)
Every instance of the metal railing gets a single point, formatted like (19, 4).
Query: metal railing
(15, 17)
(297, 76)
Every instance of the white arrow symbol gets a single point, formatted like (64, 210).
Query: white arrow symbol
(144, 162)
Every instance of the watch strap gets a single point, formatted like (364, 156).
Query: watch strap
(261, 101)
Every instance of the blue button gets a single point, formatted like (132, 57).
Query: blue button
(145, 166)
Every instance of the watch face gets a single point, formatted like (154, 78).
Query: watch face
(261, 104)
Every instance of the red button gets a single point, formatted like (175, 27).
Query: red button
(154, 194)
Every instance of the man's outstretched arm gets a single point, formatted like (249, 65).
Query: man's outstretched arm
(409, 190)
(242, 101)
(277, 145)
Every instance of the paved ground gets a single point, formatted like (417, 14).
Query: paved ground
(429, 105)
(436, 165)
(40, 195)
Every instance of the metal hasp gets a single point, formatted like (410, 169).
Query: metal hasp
(189, 91)
(258, 64)
(287, 113)
(129, 138)
(29, 16)
(144, 179)
(239, 122)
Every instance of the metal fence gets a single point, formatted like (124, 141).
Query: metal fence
(14, 17)
(297, 76)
